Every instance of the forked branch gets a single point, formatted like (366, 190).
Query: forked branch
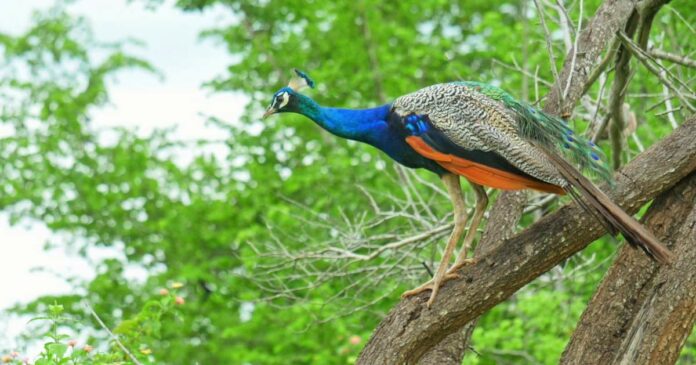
(410, 329)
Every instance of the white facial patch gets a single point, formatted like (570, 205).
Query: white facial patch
(284, 98)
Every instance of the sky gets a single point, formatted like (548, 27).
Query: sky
(139, 101)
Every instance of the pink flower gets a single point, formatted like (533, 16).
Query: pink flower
(179, 300)
(88, 348)
(72, 343)
(164, 291)
(354, 340)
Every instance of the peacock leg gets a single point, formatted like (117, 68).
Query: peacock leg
(481, 204)
(455, 191)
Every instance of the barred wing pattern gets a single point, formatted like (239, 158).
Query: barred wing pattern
(475, 121)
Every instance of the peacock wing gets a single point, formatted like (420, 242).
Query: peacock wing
(551, 132)
(473, 121)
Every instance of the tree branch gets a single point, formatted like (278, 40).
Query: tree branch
(622, 75)
(410, 329)
(658, 309)
(682, 60)
(549, 47)
(645, 59)
(609, 18)
(641, 20)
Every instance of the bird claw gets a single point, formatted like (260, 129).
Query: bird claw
(434, 284)
(458, 265)
(430, 285)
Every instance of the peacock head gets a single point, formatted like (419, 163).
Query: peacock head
(288, 98)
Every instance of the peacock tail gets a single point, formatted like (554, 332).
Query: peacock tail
(550, 131)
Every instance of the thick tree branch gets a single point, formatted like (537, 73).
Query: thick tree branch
(609, 18)
(449, 351)
(410, 329)
(642, 313)
(622, 75)
(641, 20)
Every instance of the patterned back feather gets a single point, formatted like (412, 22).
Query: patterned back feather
(553, 134)
(550, 131)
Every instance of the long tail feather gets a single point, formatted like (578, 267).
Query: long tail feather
(598, 203)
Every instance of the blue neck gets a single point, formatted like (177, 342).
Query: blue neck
(367, 125)
(359, 125)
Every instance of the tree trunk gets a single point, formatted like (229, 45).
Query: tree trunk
(410, 329)
(642, 313)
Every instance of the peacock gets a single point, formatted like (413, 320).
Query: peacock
(482, 133)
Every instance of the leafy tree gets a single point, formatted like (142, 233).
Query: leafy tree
(282, 180)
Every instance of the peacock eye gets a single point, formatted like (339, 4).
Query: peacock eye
(281, 100)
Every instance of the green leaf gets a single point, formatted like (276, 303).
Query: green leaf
(56, 349)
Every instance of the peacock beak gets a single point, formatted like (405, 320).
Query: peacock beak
(269, 111)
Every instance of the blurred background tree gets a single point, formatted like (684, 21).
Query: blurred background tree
(260, 235)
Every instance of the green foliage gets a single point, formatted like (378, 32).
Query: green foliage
(548, 312)
(136, 334)
(199, 222)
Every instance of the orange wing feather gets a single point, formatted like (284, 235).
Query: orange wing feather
(479, 173)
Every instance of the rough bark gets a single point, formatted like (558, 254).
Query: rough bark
(410, 329)
(622, 75)
(449, 351)
(642, 313)
(505, 216)
(641, 20)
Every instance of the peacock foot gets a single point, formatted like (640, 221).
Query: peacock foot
(460, 264)
(430, 285)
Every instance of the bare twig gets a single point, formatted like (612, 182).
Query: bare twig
(540, 203)
(681, 17)
(682, 60)
(549, 46)
(594, 39)
(525, 50)
(645, 59)
(668, 106)
(524, 72)
(637, 141)
(575, 52)
(528, 358)
(566, 24)
(593, 123)
(606, 60)
(111, 334)
(291, 275)
(601, 128)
